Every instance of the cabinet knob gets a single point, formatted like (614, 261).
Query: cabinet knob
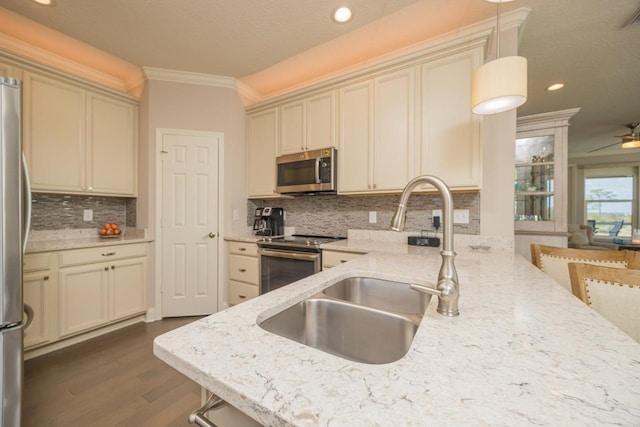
(106, 269)
(45, 278)
(113, 267)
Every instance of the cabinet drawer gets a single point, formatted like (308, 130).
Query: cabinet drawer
(243, 268)
(243, 248)
(333, 258)
(240, 292)
(102, 253)
(36, 262)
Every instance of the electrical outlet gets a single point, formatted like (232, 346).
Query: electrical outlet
(87, 215)
(373, 217)
(236, 215)
(461, 216)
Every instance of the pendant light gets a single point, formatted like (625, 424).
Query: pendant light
(499, 85)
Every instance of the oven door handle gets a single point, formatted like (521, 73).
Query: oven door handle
(289, 254)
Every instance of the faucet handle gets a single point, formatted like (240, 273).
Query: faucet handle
(425, 289)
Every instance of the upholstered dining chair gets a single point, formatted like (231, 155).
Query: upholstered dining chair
(612, 292)
(553, 260)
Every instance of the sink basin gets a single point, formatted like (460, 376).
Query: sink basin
(380, 294)
(346, 330)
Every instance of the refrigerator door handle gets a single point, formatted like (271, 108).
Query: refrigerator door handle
(30, 313)
(27, 195)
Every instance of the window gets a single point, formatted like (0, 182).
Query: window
(609, 204)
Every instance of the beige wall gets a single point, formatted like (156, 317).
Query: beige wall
(192, 107)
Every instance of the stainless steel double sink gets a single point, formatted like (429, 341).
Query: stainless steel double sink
(361, 319)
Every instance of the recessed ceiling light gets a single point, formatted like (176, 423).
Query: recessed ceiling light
(342, 14)
(555, 86)
(44, 2)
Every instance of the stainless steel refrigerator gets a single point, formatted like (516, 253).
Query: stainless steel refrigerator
(14, 224)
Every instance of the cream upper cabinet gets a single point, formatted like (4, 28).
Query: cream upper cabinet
(308, 124)
(377, 128)
(54, 133)
(262, 131)
(449, 145)
(8, 70)
(77, 140)
(393, 137)
(111, 145)
(355, 137)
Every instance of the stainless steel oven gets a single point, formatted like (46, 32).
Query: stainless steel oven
(287, 259)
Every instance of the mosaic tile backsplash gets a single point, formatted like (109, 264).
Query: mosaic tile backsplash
(334, 215)
(60, 211)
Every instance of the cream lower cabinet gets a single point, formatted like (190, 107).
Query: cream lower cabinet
(243, 272)
(93, 294)
(377, 133)
(40, 292)
(77, 140)
(334, 258)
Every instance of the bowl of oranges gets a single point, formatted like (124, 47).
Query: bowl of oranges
(110, 231)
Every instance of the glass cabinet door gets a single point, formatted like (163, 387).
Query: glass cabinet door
(534, 179)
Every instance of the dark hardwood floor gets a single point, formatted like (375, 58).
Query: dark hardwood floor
(112, 380)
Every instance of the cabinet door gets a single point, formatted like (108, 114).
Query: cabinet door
(8, 70)
(128, 288)
(54, 133)
(111, 145)
(83, 297)
(450, 141)
(393, 146)
(292, 128)
(320, 121)
(355, 137)
(39, 294)
(261, 161)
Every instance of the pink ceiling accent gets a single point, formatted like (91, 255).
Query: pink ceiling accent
(36, 38)
(408, 26)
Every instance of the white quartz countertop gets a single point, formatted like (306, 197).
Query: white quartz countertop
(57, 240)
(523, 351)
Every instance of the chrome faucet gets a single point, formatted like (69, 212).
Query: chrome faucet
(448, 288)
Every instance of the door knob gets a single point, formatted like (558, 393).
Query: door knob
(212, 235)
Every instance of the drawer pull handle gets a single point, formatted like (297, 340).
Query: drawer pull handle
(242, 249)
(109, 254)
(343, 260)
(242, 296)
(45, 278)
(242, 270)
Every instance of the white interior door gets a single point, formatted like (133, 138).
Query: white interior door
(189, 223)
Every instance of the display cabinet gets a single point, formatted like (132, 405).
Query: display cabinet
(540, 180)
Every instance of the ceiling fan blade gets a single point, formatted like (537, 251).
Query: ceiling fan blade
(602, 148)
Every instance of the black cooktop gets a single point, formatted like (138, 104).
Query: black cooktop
(297, 241)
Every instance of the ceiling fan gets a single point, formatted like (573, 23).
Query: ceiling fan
(629, 140)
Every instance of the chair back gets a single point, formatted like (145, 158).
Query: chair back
(612, 292)
(617, 226)
(554, 260)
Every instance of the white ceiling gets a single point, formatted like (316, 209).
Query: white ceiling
(583, 43)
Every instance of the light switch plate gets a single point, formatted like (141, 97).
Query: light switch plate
(87, 215)
(236, 215)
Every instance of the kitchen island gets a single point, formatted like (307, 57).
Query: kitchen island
(523, 351)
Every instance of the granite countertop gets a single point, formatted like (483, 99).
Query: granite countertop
(523, 351)
(57, 240)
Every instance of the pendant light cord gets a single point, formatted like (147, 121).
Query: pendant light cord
(498, 31)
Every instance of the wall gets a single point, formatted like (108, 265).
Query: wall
(175, 105)
(59, 211)
(334, 215)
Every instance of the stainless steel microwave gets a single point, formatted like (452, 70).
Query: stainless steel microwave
(307, 172)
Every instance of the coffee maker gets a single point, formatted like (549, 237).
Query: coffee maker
(269, 221)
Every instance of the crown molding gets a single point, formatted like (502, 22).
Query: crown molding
(188, 77)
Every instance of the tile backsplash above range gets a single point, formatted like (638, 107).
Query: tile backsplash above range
(335, 215)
